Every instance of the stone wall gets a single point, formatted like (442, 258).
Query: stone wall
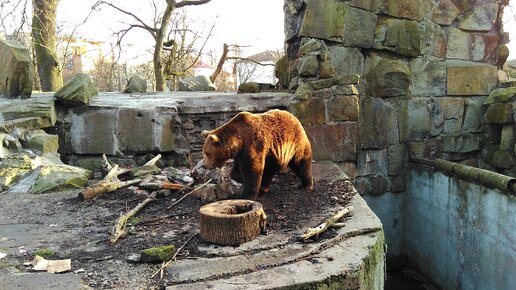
(426, 69)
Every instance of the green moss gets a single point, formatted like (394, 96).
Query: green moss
(501, 96)
(368, 275)
(44, 252)
(158, 254)
(499, 113)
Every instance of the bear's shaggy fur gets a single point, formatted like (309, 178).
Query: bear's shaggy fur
(260, 145)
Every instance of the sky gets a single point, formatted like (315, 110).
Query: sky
(254, 23)
(257, 24)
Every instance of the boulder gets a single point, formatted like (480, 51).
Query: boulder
(458, 44)
(398, 35)
(310, 111)
(409, 9)
(78, 91)
(196, 84)
(249, 87)
(373, 162)
(35, 112)
(461, 142)
(157, 254)
(379, 127)
(347, 60)
(136, 85)
(43, 143)
(343, 108)
(323, 19)
(359, 27)
(337, 143)
(282, 73)
(499, 113)
(429, 77)
(470, 78)
(16, 71)
(445, 12)
(59, 177)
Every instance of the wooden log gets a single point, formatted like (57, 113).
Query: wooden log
(153, 160)
(231, 222)
(329, 222)
(118, 230)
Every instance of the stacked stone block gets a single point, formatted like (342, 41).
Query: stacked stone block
(499, 139)
(427, 67)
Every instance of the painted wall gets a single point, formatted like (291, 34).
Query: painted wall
(459, 233)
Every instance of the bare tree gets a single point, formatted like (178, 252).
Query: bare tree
(44, 38)
(158, 31)
(180, 55)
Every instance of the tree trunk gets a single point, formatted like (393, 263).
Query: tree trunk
(44, 38)
(222, 60)
(158, 48)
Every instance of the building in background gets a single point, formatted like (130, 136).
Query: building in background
(258, 68)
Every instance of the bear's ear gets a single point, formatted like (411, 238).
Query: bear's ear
(205, 133)
(214, 138)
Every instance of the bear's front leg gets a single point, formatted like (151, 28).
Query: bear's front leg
(236, 173)
(252, 172)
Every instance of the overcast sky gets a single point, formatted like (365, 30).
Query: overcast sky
(254, 23)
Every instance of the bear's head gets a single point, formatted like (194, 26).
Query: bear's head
(214, 151)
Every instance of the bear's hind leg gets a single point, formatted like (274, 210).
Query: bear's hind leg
(271, 168)
(303, 170)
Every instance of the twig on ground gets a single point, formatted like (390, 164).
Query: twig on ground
(187, 194)
(165, 264)
(119, 227)
(328, 223)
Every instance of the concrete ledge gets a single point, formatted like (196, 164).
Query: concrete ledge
(354, 259)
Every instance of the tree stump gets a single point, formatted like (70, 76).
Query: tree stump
(232, 222)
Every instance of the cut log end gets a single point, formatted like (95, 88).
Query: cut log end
(231, 222)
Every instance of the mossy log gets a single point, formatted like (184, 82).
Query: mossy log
(232, 222)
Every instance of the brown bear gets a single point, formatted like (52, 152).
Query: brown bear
(260, 145)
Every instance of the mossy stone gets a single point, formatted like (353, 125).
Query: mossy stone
(158, 254)
(501, 96)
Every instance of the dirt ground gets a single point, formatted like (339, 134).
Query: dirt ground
(80, 230)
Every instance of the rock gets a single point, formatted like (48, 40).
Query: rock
(470, 78)
(398, 35)
(40, 107)
(484, 48)
(326, 70)
(309, 112)
(458, 44)
(60, 177)
(372, 162)
(282, 73)
(397, 156)
(309, 66)
(11, 175)
(323, 20)
(429, 149)
(499, 113)
(16, 71)
(351, 79)
(347, 60)
(249, 87)
(410, 9)
(389, 78)
(304, 91)
(453, 112)
(501, 96)
(206, 193)
(343, 108)
(337, 143)
(378, 184)
(370, 5)
(136, 85)
(379, 127)
(435, 40)
(429, 77)
(445, 12)
(481, 18)
(157, 254)
(508, 137)
(473, 116)
(309, 45)
(196, 84)
(43, 143)
(134, 258)
(359, 27)
(93, 132)
(416, 123)
(461, 142)
(502, 159)
(78, 91)
(398, 183)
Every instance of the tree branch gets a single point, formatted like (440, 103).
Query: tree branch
(189, 2)
(144, 25)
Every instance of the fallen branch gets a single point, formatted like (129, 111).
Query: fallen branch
(164, 265)
(119, 227)
(110, 183)
(328, 223)
(153, 160)
(161, 185)
(187, 194)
